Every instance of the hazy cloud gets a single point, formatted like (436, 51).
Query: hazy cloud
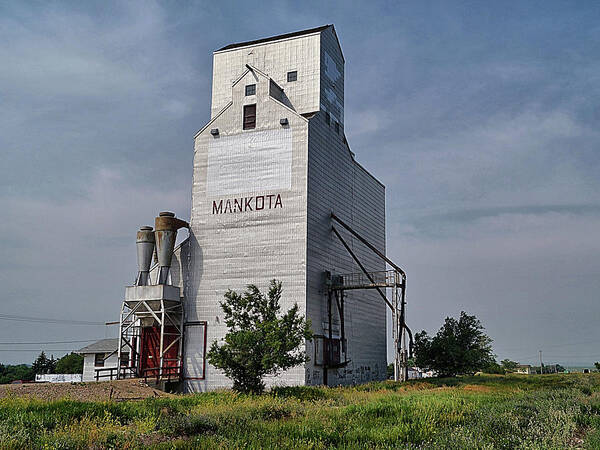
(481, 120)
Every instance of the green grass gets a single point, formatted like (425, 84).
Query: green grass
(548, 411)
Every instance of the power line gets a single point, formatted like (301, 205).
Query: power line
(46, 343)
(595, 341)
(37, 350)
(47, 320)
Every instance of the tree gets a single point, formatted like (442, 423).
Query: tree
(259, 342)
(9, 373)
(459, 347)
(597, 364)
(71, 363)
(494, 368)
(508, 365)
(43, 364)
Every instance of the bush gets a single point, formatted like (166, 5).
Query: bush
(259, 342)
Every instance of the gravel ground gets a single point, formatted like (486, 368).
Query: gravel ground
(133, 389)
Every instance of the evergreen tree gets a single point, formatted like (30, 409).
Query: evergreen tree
(43, 364)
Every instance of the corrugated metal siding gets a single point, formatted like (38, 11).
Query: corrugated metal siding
(336, 183)
(276, 59)
(229, 251)
(293, 244)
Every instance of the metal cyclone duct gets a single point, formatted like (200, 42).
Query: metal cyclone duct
(165, 232)
(145, 248)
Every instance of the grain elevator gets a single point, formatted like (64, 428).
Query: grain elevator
(276, 193)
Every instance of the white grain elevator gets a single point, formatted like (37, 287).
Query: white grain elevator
(276, 193)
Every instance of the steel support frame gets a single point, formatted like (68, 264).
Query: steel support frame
(130, 327)
(397, 306)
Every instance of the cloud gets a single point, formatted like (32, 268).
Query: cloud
(72, 259)
(482, 124)
(81, 91)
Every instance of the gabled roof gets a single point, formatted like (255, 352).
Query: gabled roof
(275, 38)
(248, 69)
(101, 346)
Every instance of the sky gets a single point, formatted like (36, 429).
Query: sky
(481, 118)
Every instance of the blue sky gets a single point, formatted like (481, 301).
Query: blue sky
(481, 118)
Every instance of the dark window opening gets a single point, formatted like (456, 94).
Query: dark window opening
(99, 359)
(332, 351)
(328, 118)
(249, 117)
(251, 89)
(337, 127)
(292, 76)
(124, 359)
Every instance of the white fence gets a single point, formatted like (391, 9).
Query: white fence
(59, 378)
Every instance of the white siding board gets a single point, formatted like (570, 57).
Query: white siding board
(294, 243)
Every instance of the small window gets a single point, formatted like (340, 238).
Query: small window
(99, 359)
(328, 118)
(337, 127)
(251, 89)
(249, 117)
(124, 359)
(292, 76)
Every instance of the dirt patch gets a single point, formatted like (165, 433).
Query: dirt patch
(120, 390)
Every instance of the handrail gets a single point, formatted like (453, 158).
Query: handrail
(115, 373)
(111, 373)
(165, 372)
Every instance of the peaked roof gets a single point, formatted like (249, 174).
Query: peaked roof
(101, 346)
(275, 38)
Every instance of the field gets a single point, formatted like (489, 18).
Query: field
(543, 411)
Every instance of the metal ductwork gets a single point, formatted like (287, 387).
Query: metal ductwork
(166, 226)
(145, 248)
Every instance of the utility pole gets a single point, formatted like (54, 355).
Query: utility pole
(541, 364)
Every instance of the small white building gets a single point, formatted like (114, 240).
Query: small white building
(415, 373)
(525, 369)
(100, 360)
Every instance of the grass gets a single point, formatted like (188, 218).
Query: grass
(485, 412)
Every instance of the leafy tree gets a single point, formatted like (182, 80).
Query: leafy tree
(10, 373)
(259, 342)
(43, 364)
(508, 365)
(459, 347)
(494, 368)
(71, 363)
(597, 364)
